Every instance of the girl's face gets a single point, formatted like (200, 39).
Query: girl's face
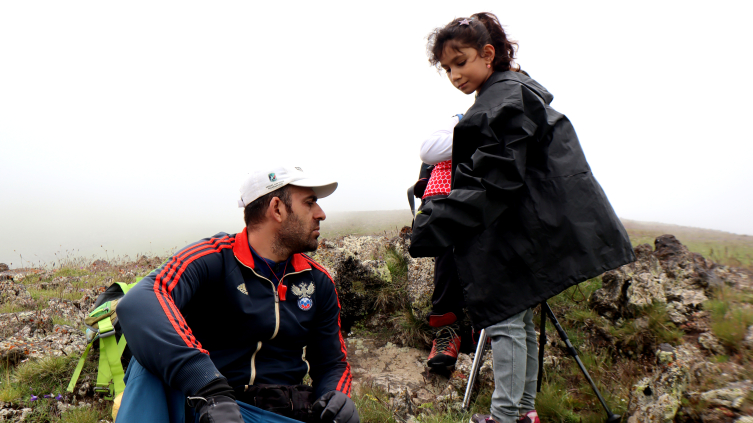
(465, 67)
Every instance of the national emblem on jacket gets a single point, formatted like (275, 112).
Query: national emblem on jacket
(304, 292)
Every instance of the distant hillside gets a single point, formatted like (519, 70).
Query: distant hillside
(722, 247)
(383, 222)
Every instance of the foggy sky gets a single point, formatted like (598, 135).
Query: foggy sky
(130, 125)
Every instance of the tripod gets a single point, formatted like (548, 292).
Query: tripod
(545, 311)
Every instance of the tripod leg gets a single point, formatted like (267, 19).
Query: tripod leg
(475, 367)
(542, 344)
(611, 417)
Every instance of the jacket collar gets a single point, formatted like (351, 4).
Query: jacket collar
(493, 79)
(242, 252)
(519, 77)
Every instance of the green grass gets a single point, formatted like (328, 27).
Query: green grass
(555, 403)
(85, 414)
(729, 319)
(651, 327)
(566, 395)
(57, 320)
(374, 406)
(410, 330)
(13, 308)
(9, 392)
(27, 384)
(47, 375)
(396, 263)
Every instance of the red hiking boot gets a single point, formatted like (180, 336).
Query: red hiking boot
(444, 349)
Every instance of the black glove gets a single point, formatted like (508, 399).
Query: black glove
(215, 403)
(334, 406)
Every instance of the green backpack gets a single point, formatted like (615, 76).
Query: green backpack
(102, 324)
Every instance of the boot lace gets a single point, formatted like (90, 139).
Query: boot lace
(445, 336)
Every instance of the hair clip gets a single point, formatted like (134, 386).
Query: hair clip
(465, 21)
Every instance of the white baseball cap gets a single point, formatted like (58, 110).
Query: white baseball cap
(260, 183)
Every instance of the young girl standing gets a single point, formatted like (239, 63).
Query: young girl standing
(525, 216)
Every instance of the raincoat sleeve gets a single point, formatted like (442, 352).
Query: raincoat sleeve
(490, 156)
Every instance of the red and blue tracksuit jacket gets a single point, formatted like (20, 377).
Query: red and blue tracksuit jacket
(208, 312)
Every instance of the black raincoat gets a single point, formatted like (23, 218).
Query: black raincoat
(525, 214)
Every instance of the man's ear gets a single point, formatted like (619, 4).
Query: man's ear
(275, 210)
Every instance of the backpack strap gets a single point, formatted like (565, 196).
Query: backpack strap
(79, 366)
(110, 368)
(110, 373)
(127, 286)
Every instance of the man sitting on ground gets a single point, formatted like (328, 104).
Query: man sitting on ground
(228, 316)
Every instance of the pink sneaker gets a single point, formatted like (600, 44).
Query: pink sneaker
(530, 417)
(482, 418)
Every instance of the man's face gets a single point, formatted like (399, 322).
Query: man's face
(300, 229)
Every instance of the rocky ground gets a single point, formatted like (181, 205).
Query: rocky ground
(700, 374)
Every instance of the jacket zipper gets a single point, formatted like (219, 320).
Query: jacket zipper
(277, 316)
(253, 364)
(277, 300)
(303, 357)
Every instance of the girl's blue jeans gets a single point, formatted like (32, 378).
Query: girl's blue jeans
(514, 351)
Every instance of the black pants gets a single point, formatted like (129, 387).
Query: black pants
(448, 293)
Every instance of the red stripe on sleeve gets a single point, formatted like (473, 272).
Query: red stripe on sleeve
(174, 269)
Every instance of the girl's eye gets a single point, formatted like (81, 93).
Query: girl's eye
(461, 63)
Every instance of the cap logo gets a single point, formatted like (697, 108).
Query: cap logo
(272, 177)
(299, 168)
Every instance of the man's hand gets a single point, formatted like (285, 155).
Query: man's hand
(215, 403)
(334, 406)
(218, 409)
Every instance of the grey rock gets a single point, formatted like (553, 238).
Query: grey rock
(420, 277)
(25, 322)
(16, 294)
(748, 341)
(32, 334)
(711, 343)
(485, 377)
(670, 274)
(359, 270)
(731, 396)
(626, 289)
(658, 397)
(386, 366)
(666, 354)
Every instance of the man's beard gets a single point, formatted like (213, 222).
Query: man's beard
(294, 237)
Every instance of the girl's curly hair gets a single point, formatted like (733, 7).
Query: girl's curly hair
(483, 28)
